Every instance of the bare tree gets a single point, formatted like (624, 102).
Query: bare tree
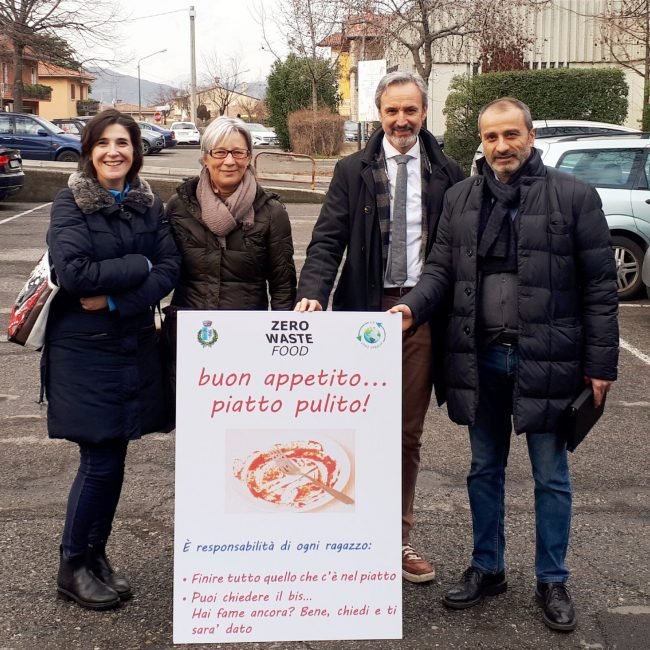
(308, 26)
(49, 27)
(504, 44)
(222, 81)
(253, 108)
(422, 26)
(166, 96)
(625, 32)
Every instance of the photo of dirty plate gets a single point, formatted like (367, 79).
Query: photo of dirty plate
(285, 475)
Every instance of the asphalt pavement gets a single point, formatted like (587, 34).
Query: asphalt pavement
(608, 556)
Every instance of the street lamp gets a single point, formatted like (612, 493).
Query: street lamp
(139, 97)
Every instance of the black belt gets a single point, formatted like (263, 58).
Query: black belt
(507, 338)
(396, 291)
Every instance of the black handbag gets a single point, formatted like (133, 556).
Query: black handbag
(580, 417)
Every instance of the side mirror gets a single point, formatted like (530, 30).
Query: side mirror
(42, 131)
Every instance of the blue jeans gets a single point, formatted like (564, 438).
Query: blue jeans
(94, 496)
(490, 442)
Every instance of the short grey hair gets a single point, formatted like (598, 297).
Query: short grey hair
(220, 129)
(401, 77)
(502, 103)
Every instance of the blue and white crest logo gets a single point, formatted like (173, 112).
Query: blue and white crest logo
(207, 336)
(371, 335)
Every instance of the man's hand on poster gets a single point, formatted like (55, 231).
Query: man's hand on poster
(407, 315)
(308, 305)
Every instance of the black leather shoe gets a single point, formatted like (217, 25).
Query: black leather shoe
(555, 599)
(473, 586)
(101, 567)
(77, 582)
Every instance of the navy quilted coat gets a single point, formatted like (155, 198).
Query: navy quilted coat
(101, 369)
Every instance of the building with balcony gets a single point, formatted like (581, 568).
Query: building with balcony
(70, 92)
(33, 91)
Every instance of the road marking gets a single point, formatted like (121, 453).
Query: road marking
(22, 214)
(637, 353)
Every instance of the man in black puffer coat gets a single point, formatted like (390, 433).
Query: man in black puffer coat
(526, 255)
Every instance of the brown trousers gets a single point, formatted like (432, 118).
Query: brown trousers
(416, 394)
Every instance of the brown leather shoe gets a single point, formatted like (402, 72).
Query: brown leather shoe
(415, 568)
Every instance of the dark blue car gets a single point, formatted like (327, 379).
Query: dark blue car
(37, 138)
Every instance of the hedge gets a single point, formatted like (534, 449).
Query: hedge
(596, 94)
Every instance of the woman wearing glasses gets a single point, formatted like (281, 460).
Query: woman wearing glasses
(234, 236)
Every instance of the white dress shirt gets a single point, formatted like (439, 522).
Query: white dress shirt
(413, 207)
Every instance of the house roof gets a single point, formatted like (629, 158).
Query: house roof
(52, 70)
(366, 25)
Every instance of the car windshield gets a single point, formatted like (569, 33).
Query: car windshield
(253, 126)
(183, 125)
(50, 126)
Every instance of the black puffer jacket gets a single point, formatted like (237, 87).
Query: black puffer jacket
(567, 299)
(256, 263)
(101, 369)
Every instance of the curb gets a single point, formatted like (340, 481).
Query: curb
(44, 180)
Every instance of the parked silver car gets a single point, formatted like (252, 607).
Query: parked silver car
(618, 166)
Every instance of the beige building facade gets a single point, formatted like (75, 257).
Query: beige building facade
(70, 92)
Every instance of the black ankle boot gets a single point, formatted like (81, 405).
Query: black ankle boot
(101, 567)
(77, 582)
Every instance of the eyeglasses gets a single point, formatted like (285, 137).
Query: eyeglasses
(237, 154)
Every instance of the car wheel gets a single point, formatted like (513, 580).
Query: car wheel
(629, 258)
(68, 156)
(146, 148)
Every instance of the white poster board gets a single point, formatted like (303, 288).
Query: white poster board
(261, 553)
(370, 73)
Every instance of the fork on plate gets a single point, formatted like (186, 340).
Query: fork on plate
(289, 466)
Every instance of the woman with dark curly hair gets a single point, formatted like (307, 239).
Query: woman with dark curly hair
(114, 259)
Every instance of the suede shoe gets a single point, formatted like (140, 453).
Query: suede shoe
(473, 586)
(414, 567)
(555, 599)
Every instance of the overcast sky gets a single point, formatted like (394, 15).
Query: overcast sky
(227, 28)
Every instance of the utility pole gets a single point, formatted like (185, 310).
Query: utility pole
(192, 67)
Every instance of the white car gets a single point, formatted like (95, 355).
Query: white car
(261, 135)
(185, 133)
(618, 166)
(556, 128)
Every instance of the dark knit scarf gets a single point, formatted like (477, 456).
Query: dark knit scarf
(382, 199)
(495, 236)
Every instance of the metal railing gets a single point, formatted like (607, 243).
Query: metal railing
(289, 156)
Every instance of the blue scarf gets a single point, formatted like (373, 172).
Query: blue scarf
(120, 196)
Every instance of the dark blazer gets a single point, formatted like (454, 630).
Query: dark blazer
(567, 300)
(348, 223)
(101, 369)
